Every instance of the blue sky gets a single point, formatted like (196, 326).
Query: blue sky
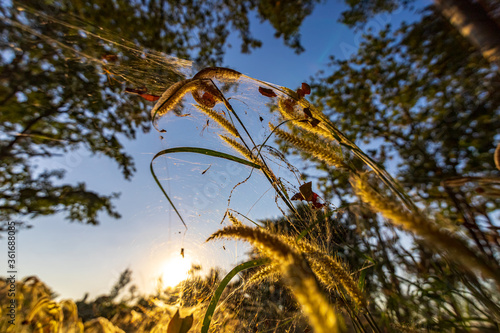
(73, 258)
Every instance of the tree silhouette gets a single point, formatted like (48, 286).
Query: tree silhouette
(435, 111)
(477, 21)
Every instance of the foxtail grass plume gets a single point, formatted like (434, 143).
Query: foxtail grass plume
(325, 154)
(414, 222)
(286, 109)
(296, 274)
(330, 271)
(238, 147)
(223, 122)
(234, 220)
(269, 272)
(218, 73)
(173, 95)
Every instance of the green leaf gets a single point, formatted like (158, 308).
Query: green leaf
(215, 298)
(203, 151)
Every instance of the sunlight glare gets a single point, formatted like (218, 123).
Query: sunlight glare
(175, 270)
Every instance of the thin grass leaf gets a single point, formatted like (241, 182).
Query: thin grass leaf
(344, 141)
(279, 187)
(222, 285)
(203, 151)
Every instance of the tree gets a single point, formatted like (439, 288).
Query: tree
(430, 113)
(477, 21)
(359, 12)
(63, 74)
(405, 286)
(435, 109)
(473, 22)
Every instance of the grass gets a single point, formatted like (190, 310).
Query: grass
(330, 274)
(300, 264)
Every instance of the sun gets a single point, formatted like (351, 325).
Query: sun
(175, 270)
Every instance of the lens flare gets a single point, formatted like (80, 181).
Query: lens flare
(175, 270)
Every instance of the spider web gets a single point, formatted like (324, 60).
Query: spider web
(202, 188)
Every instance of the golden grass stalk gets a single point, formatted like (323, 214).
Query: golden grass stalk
(330, 271)
(172, 96)
(202, 81)
(268, 243)
(288, 113)
(320, 313)
(219, 73)
(496, 157)
(414, 222)
(296, 274)
(234, 220)
(317, 150)
(223, 122)
(238, 147)
(245, 152)
(269, 272)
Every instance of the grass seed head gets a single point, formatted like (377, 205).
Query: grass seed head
(415, 222)
(218, 73)
(238, 147)
(325, 154)
(223, 122)
(296, 273)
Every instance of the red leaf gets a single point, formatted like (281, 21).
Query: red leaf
(308, 113)
(149, 97)
(208, 100)
(142, 92)
(289, 104)
(297, 196)
(313, 121)
(267, 92)
(306, 190)
(306, 89)
(307, 194)
(315, 202)
(300, 93)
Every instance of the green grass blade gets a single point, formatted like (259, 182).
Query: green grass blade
(203, 151)
(218, 292)
(165, 193)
